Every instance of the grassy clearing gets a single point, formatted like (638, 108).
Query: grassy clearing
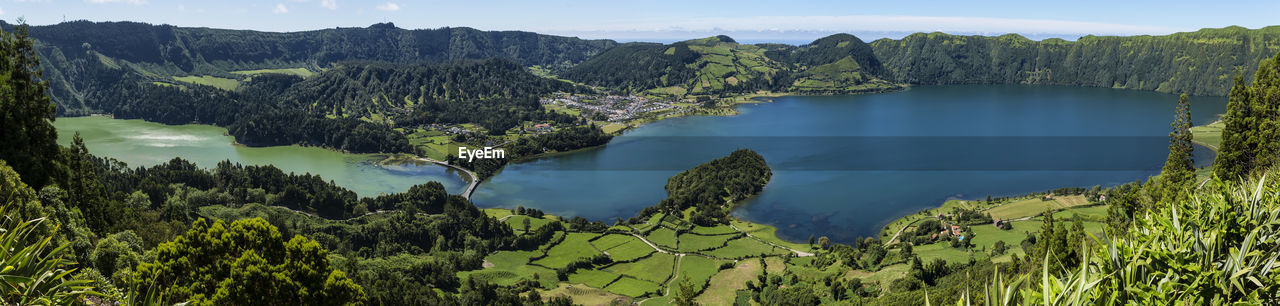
(746, 247)
(630, 251)
(593, 278)
(574, 247)
(941, 250)
(220, 83)
(586, 295)
(694, 243)
(1023, 208)
(775, 265)
(633, 287)
(611, 240)
(714, 230)
(656, 268)
(986, 235)
(517, 222)
(1208, 135)
(302, 72)
(497, 213)
(767, 233)
(725, 285)
(1071, 201)
(663, 237)
(613, 128)
(1089, 213)
(886, 275)
(696, 269)
(509, 267)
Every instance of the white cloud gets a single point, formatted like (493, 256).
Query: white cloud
(280, 9)
(133, 2)
(390, 7)
(329, 4)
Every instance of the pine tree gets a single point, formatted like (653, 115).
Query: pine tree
(29, 142)
(1233, 154)
(1252, 124)
(1179, 169)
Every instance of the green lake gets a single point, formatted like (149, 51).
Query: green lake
(141, 143)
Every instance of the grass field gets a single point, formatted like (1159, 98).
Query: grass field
(986, 235)
(767, 233)
(510, 267)
(1089, 213)
(517, 222)
(663, 237)
(497, 213)
(584, 295)
(725, 285)
(745, 247)
(1023, 208)
(656, 268)
(611, 240)
(302, 72)
(1071, 201)
(694, 243)
(630, 250)
(714, 230)
(695, 269)
(593, 278)
(1208, 135)
(573, 247)
(220, 83)
(941, 250)
(613, 127)
(633, 287)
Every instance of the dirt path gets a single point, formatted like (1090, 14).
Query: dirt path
(798, 252)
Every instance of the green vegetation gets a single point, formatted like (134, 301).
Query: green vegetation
(1249, 130)
(574, 247)
(718, 65)
(302, 72)
(216, 82)
(1189, 62)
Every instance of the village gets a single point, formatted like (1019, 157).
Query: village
(614, 108)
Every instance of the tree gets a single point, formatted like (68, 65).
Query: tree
(246, 262)
(1252, 124)
(1179, 169)
(824, 242)
(685, 294)
(810, 239)
(29, 141)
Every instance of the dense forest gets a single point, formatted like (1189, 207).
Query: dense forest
(1196, 63)
(69, 49)
(719, 65)
(713, 187)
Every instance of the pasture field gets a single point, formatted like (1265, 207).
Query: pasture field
(574, 247)
(656, 268)
(630, 250)
(746, 247)
(725, 285)
(663, 237)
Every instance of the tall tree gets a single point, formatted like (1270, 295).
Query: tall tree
(29, 142)
(1252, 124)
(1179, 169)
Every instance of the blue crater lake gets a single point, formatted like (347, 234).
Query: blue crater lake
(845, 166)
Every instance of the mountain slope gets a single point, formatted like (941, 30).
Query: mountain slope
(719, 65)
(1197, 63)
(81, 58)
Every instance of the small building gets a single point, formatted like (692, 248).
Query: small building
(955, 230)
(997, 222)
(1102, 198)
(541, 127)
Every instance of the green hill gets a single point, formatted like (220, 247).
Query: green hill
(82, 58)
(1196, 63)
(719, 65)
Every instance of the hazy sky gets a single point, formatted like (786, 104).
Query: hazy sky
(669, 20)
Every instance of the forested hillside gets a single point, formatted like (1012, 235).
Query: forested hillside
(719, 65)
(73, 53)
(1196, 63)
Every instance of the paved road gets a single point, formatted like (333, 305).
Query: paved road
(475, 180)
